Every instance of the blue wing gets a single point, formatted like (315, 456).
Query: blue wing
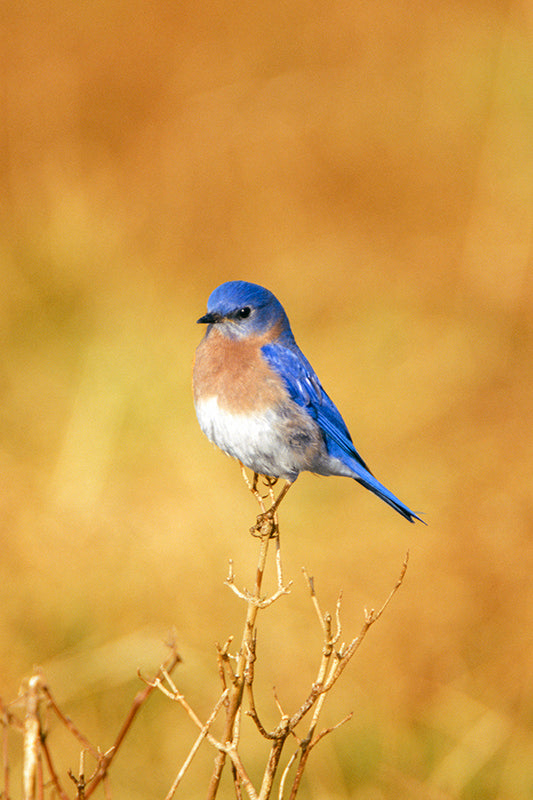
(306, 390)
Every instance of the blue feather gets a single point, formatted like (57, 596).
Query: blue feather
(305, 390)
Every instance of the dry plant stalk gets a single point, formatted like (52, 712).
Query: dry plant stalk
(237, 678)
(37, 701)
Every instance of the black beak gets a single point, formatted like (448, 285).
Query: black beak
(210, 318)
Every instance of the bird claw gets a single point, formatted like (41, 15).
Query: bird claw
(266, 525)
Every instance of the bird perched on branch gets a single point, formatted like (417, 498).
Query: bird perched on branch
(258, 398)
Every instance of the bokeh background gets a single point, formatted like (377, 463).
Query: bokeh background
(371, 163)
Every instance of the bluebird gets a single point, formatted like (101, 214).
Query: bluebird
(259, 399)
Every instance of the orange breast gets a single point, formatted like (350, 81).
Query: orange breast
(235, 372)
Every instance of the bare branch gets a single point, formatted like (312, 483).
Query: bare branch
(325, 732)
(266, 530)
(174, 694)
(5, 750)
(291, 761)
(370, 618)
(252, 712)
(67, 722)
(32, 737)
(203, 733)
(138, 701)
(241, 772)
(236, 673)
(244, 594)
(51, 769)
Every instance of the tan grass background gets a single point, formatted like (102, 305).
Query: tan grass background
(371, 163)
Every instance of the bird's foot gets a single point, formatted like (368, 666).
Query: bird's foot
(266, 525)
(267, 521)
(269, 483)
(254, 483)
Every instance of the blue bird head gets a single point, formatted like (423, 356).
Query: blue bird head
(240, 309)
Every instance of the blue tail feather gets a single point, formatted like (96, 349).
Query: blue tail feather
(367, 480)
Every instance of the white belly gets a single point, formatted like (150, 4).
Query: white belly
(269, 443)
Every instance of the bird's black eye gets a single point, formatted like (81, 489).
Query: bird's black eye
(242, 313)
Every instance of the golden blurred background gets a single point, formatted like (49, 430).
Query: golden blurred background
(371, 164)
